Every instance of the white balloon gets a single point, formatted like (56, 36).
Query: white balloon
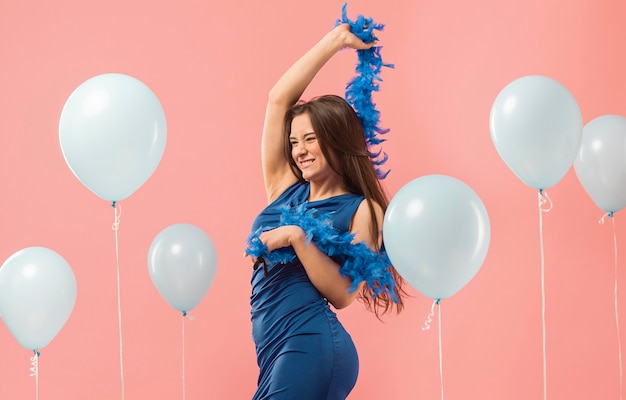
(182, 263)
(536, 127)
(436, 232)
(112, 132)
(601, 162)
(37, 295)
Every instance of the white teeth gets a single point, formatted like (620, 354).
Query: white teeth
(306, 163)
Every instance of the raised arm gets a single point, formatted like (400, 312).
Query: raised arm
(284, 94)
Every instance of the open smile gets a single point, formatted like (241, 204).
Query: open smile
(306, 163)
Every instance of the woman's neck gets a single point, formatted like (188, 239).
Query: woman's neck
(325, 189)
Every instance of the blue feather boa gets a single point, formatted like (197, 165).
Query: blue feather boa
(360, 263)
(359, 89)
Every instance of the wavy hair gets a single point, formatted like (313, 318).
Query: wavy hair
(341, 138)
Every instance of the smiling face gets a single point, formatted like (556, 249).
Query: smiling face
(306, 150)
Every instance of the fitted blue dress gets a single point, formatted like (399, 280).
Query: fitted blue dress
(303, 351)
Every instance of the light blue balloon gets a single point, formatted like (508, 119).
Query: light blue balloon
(536, 127)
(112, 133)
(436, 231)
(182, 263)
(601, 163)
(37, 295)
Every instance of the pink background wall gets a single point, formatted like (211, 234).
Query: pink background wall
(211, 64)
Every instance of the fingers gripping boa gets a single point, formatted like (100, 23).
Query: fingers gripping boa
(359, 89)
(359, 262)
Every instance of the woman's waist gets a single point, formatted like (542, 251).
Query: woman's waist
(284, 296)
(291, 318)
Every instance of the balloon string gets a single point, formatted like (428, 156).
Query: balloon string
(183, 358)
(545, 205)
(116, 227)
(619, 344)
(426, 326)
(34, 371)
(440, 348)
(431, 314)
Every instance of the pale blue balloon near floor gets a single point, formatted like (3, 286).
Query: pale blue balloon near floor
(437, 232)
(112, 132)
(601, 162)
(182, 263)
(536, 126)
(37, 295)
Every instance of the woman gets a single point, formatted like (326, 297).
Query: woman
(323, 198)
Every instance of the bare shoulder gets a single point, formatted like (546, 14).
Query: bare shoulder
(362, 222)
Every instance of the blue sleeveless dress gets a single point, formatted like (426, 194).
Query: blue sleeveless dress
(303, 351)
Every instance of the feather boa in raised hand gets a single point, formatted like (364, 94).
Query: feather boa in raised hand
(359, 89)
(360, 263)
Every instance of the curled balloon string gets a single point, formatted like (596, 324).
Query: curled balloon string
(118, 215)
(34, 371)
(608, 214)
(431, 314)
(117, 210)
(545, 202)
(34, 362)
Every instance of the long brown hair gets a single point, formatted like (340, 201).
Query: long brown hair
(342, 141)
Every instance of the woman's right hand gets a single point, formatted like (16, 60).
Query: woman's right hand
(350, 40)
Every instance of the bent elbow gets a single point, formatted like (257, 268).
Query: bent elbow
(343, 302)
(278, 97)
(339, 306)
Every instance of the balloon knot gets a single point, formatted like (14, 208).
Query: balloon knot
(184, 314)
(607, 214)
(113, 204)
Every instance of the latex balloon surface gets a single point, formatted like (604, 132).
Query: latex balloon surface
(37, 295)
(112, 133)
(601, 163)
(437, 232)
(536, 127)
(182, 263)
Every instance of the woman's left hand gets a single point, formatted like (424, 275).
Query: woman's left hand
(282, 236)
